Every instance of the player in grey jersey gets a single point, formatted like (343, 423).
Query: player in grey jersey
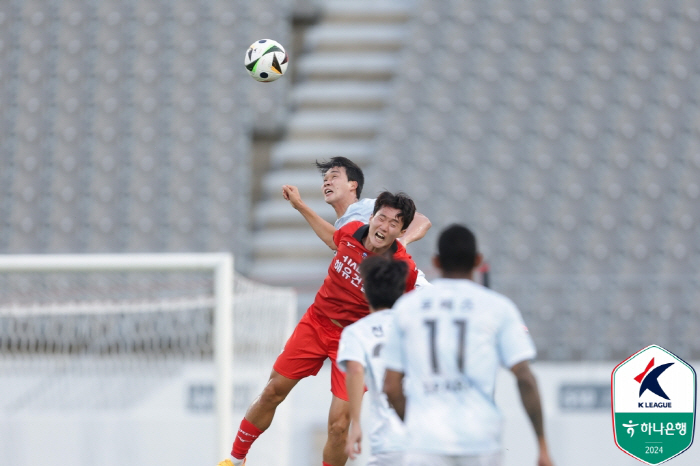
(343, 182)
(360, 357)
(449, 341)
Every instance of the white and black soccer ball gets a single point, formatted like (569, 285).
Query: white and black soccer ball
(266, 60)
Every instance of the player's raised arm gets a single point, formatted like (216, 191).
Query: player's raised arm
(530, 396)
(322, 228)
(417, 229)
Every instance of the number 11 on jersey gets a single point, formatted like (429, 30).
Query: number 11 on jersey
(461, 335)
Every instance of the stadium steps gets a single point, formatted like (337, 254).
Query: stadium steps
(340, 95)
(303, 154)
(343, 66)
(354, 37)
(289, 243)
(278, 213)
(327, 124)
(343, 82)
(304, 179)
(379, 11)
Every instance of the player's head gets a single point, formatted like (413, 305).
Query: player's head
(341, 177)
(457, 251)
(393, 213)
(384, 281)
(399, 201)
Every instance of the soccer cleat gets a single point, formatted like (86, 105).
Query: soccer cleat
(228, 462)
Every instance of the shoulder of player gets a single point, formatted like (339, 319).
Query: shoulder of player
(358, 208)
(402, 253)
(409, 301)
(349, 229)
(361, 326)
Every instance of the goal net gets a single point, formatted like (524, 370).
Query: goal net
(135, 359)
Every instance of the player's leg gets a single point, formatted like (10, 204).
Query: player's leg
(339, 413)
(301, 357)
(338, 423)
(260, 413)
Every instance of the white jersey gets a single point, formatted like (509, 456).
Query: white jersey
(362, 342)
(362, 211)
(449, 340)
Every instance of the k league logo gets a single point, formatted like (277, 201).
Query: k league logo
(653, 404)
(651, 382)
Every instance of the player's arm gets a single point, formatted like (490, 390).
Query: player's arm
(355, 383)
(530, 396)
(322, 228)
(393, 387)
(417, 229)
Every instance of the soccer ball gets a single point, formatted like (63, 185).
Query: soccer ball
(266, 60)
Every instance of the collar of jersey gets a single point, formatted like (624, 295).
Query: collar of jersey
(363, 231)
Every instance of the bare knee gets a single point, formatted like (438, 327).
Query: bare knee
(338, 428)
(274, 393)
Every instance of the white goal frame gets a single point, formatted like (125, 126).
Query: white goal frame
(221, 264)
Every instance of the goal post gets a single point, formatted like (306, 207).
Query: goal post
(37, 289)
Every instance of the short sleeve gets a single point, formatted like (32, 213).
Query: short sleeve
(514, 341)
(349, 349)
(393, 351)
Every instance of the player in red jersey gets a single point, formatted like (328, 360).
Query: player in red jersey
(338, 303)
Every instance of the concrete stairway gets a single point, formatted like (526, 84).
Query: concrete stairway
(343, 81)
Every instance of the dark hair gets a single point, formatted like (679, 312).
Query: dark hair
(397, 201)
(352, 170)
(384, 280)
(457, 249)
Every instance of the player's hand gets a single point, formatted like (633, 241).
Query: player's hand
(353, 446)
(291, 193)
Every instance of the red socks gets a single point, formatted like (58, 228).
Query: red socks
(247, 433)
(326, 464)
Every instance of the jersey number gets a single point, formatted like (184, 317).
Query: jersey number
(461, 327)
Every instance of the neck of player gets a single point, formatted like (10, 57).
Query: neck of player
(371, 309)
(378, 251)
(459, 275)
(341, 205)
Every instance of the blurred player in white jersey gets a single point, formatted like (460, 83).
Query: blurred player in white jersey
(343, 181)
(360, 356)
(448, 341)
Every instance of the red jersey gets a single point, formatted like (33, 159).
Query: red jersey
(341, 296)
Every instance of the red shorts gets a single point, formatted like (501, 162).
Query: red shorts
(315, 338)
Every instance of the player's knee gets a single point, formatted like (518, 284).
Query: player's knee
(338, 428)
(273, 395)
